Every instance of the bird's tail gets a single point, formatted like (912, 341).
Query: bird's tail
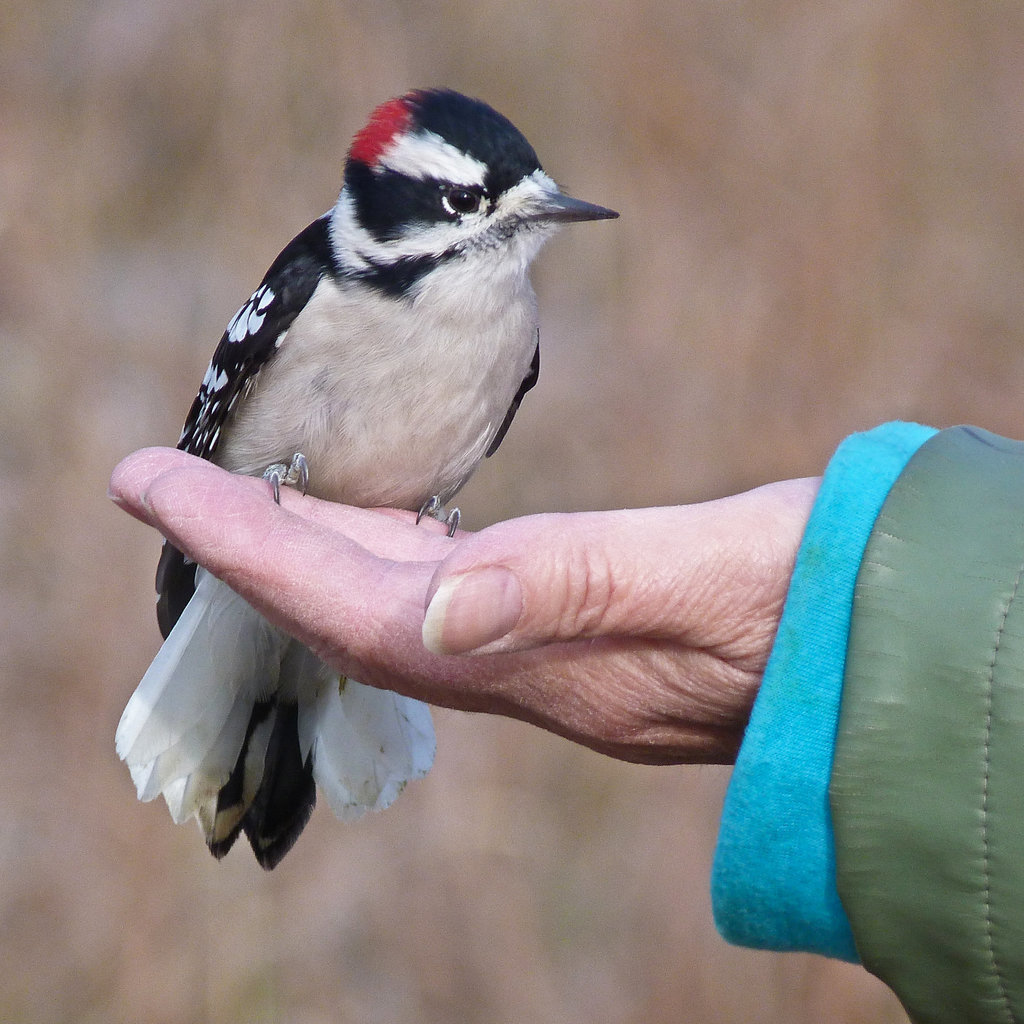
(236, 724)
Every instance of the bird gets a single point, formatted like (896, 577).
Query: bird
(382, 357)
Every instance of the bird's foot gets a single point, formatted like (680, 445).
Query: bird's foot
(432, 507)
(293, 474)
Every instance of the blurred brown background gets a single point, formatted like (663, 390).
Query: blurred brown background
(822, 228)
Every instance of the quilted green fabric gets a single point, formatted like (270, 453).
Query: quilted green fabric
(927, 789)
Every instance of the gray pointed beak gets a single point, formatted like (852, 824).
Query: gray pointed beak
(562, 209)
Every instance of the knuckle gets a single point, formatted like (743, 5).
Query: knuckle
(590, 594)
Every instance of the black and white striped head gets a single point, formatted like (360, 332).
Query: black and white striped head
(434, 177)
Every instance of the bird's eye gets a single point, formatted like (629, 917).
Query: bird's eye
(459, 201)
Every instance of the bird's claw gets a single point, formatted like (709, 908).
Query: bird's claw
(292, 474)
(433, 508)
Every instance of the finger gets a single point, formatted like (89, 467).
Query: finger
(197, 505)
(133, 474)
(690, 573)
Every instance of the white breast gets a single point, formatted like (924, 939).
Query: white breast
(391, 401)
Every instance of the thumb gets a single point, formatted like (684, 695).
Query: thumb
(700, 574)
(541, 579)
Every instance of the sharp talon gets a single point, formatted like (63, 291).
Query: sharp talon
(295, 474)
(273, 475)
(301, 467)
(432, 507)
(429, 508)
(453, 520)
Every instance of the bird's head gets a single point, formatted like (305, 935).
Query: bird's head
(435, 177)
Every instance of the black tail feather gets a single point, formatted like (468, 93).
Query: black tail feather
(231, 802)
(175, 585)
(286, 796)
(275, 816)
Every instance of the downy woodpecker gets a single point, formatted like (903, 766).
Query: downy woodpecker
(383, 355)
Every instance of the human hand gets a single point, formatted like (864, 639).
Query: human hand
(642, 633)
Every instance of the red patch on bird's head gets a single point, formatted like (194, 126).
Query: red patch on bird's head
(387, 121)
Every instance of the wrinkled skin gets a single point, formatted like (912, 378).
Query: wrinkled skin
(642, 633)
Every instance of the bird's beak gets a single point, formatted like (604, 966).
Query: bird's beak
(562, 209)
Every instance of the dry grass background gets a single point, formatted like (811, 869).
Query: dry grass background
(822, 228)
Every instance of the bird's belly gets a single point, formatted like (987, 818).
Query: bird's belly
(380, 431)
(366, 453)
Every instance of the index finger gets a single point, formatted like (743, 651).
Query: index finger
(198, 506)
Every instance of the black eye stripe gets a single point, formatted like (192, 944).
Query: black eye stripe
(388, 202)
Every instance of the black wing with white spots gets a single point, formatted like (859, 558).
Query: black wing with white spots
(250, 341)
(253, 335)
(528, 381)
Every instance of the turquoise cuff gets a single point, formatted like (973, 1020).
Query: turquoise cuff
(773, 883)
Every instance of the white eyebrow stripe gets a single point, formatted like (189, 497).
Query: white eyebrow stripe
(424, 154)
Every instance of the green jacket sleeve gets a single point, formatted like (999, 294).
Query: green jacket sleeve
(927, 785)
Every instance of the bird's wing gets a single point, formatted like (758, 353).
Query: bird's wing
(528, 381)
(252, 337)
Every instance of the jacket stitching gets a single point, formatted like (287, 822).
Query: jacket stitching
(990, 946)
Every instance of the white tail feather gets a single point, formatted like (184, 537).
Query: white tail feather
(195, 699)
(183, 728)
(367, 744)
(219, 649)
